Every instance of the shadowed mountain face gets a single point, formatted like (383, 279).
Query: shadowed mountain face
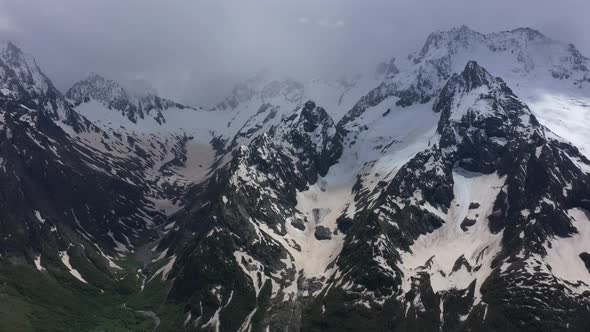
(438, 193)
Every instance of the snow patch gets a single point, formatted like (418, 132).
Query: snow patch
(65, 258)
(38, 263)
(39, 217)
(164, 270)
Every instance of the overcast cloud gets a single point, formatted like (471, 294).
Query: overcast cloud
(195, 50)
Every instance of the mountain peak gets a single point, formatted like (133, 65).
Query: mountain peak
(132, 103)
(463, 37)
(460, 36)
(530, 33)
(8, 45)
(463, 29)
(471, 78)
(95, 86)
(475, 76)
(93, 76)
(27, 75)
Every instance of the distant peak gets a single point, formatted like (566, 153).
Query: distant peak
(439, 39)
(530, 33)
(94, 76)
(8, 48)
(8, 44)
(463, 29)
(314, 116)
(472, 65)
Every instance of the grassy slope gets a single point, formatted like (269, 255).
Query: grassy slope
(55, 301)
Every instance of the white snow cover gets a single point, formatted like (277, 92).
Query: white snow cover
(449, 242)
(108, 258)
(120, 247)
(162, 255)
(38, 263)
(65, 258)
(322, 204)
(39, 217)
(190, 121)
(567, 115)
(164, 270)
(564, 254)
(160, 141)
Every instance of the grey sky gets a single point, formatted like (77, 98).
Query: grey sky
(194, 50)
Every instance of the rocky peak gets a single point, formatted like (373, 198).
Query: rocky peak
(20, 74)
(529, 34)
(472, 77)
(457, 37)
(521, 50)
(10, 51)
(474, 98)
(96, 87)
(311, 116)
(463, 38)
(24, 85)
(475, 76)
(310, 127)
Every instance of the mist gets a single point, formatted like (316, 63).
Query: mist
(194, 51)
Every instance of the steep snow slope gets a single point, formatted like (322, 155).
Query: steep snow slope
(567, 115)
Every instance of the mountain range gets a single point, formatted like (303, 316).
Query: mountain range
(445, 191)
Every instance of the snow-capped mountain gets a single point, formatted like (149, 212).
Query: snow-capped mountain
(448, 190)
(113, 96)
(67, 209)
(257, 104)
(23, 82)
(551, 76)
(437, 153)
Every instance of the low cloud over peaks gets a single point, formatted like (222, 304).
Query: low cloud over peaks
(194, 51)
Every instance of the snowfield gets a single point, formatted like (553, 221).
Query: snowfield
(438, 251)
